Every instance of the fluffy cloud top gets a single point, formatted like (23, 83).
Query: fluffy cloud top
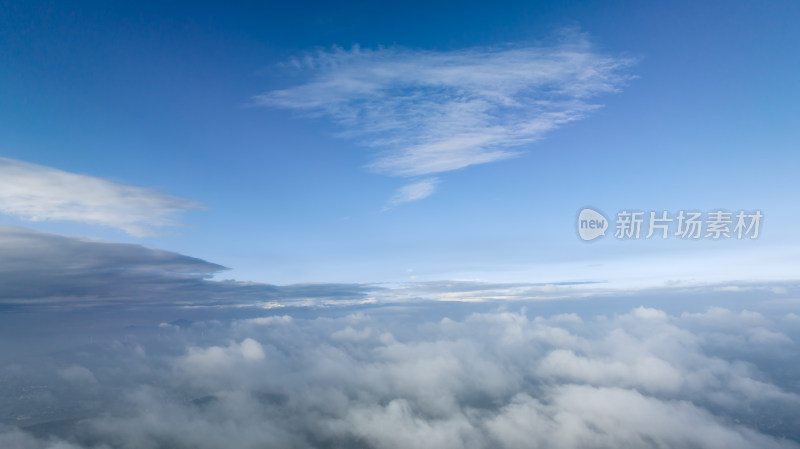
(404, 377)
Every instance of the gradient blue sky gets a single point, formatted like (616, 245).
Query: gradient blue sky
(182, 99)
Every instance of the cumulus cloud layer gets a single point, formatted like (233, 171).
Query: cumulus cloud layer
(431, 112)
(403, 377)
(37, 193)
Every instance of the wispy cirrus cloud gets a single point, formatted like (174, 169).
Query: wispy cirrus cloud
(415, 191)
(430, 112)
(38, 193)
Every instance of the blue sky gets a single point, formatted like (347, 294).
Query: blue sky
(689, 106)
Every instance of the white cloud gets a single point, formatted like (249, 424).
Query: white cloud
(720, 316)
(266, 321)
(350, 333)
(432, 112)
(416, 191)
(38, 193)
(17, 439)
(252, 350)
(579, 416)
(650, 314)
(647, 372)
(77, 374)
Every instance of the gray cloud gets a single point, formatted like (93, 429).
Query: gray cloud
(42, 268)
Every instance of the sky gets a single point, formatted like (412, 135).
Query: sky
(361, 143)
(218, 220)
